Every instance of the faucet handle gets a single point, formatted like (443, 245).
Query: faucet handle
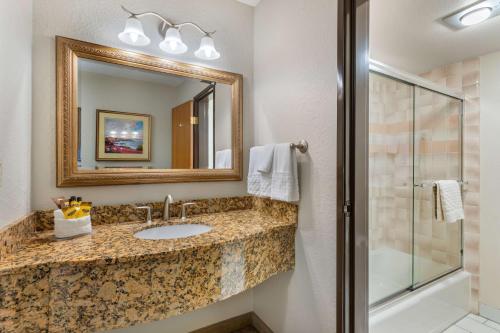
(184, 206)
(148, 217)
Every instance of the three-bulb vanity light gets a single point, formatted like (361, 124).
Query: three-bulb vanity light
(133, 34)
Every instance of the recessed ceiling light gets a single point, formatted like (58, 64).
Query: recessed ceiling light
(476, 16)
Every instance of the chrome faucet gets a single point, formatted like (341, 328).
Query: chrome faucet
(183, 212)
(166, 207)
(148, 216)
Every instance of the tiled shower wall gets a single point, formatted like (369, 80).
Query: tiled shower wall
(390, 200)
(464, 76)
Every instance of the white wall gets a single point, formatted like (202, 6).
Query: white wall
(490, 180)
(295, 98)
(100, 21)
(104, 92)
(15, 110)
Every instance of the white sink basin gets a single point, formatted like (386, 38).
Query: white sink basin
(173, 231)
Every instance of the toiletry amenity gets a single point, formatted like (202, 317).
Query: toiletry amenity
(59, 202)
(448, 205)
(285, 184)
(73, 218)
(259, 183)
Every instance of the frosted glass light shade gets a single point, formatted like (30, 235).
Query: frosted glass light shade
(207, 49)
(173, 43)
(133, 34)
(476, 16)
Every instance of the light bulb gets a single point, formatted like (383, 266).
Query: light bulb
(134, 37)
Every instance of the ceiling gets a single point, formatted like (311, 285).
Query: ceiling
(125, 72)
(409, 34)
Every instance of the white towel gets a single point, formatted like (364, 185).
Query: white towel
(285, 183)
(448, 198)
(258, 183)
(265, 163)
(224, 159)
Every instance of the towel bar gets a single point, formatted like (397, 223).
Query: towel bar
(302, 146)
(460, 182)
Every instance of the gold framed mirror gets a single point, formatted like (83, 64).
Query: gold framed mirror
(130, 118)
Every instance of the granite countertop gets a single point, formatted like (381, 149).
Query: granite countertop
(115, 243)
(110, 279)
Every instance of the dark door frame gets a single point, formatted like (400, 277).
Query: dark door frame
(196, 134)
(352, 166)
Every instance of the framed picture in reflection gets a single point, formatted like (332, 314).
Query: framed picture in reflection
(123, 136)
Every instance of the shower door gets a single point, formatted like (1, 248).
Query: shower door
(414, 140)
(438, 155)
(390, 187)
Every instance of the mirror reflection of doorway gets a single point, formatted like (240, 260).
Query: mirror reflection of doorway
(193, 132)
(204, 129)
(182, 136)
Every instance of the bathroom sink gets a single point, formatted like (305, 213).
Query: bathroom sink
(173, 231)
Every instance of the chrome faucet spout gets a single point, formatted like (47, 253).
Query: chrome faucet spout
(166, 207)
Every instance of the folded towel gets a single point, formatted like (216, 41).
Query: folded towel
(259, 183)
(448, 201)
(224, 159)
(265, 163)
(284, 183)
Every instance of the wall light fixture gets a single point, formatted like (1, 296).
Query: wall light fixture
(133, 34)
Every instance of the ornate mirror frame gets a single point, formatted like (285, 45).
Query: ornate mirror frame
(67, 53)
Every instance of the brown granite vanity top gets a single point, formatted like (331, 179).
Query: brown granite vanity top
(111, 243)
(110, 279)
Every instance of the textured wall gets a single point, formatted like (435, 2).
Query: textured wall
(15, 112)
(295, 98)
(490, 166)
(100, 21)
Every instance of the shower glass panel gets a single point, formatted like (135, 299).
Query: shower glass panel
(415, 139)
(390, 187)
(438, 150)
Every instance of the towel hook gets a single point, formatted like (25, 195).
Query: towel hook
(302, 146)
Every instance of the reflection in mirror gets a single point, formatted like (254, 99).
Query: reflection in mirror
(134, 118)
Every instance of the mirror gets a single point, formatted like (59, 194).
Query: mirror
(134, 118)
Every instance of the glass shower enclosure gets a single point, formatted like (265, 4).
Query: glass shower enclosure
(415, 133)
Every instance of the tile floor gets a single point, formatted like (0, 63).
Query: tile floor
(474, 324)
